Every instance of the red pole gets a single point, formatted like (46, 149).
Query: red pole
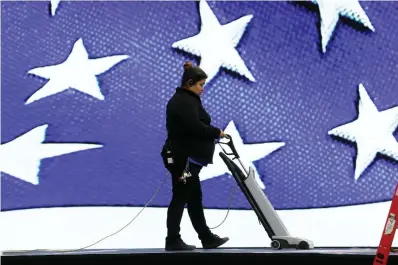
(388, 233)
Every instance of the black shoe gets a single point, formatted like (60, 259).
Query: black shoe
(177, 245)
(213, 241)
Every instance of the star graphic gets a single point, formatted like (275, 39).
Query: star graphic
(54, 6)
(330, 10)
(248, 154)
(372, 131)
(21, 157)
(77, 71)
(215, 44)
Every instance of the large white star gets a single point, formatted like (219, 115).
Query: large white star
(77, 71)
(330, 10)
(215, 44)
(372, 131)
(21, 157)
(248, 154)
(54, 6)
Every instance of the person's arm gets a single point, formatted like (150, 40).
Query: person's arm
(189, 116)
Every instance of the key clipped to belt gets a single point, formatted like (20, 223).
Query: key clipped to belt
(186, 174)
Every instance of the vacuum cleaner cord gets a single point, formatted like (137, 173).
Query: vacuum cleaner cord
(129, 223)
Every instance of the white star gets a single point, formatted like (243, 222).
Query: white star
(77, 71)
(21, 157)
(248, 154)
(54, 5)
(330, 10)
(215, 44)
(372, 131)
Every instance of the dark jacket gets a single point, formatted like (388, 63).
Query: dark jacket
(188, 127)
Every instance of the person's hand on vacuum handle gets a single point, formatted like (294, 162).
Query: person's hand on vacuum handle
(222, 134)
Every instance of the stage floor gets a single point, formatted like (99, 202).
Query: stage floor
(262, 256)
(320, 251)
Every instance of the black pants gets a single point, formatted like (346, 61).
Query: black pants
(190, 194)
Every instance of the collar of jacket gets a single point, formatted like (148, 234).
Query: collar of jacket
(189, 92)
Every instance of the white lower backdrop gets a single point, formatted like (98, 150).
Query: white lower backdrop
(77, 227)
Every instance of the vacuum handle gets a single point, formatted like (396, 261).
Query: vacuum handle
(231, 145)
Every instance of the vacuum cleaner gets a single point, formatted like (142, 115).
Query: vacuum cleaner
(268, 217)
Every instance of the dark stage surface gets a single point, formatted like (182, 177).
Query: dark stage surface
(262, 256)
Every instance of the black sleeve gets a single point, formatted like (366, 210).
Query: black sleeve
(189, 116)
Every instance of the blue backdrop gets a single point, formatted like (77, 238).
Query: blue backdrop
(299, 95)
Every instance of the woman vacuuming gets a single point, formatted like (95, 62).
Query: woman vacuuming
(189, 146)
